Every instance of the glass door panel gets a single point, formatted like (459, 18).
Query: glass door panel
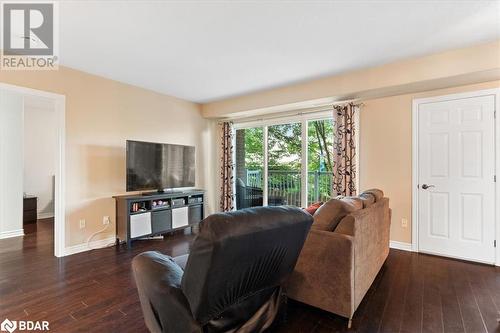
(249, 167)
(319, 160)
(284, 164)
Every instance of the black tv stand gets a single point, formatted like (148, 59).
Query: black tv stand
(169, 191)
(150, 214)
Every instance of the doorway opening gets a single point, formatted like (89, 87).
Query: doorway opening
(32, 167)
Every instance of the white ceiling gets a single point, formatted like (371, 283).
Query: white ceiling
(209, 50)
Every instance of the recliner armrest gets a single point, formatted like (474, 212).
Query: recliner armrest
(164, 305)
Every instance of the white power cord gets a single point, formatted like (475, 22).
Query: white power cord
(95, 234)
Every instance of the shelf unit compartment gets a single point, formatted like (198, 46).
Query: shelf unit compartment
(140, 206)
(179, 202)
(160, 204)
(140, 225)
(195, 199)
(161, 221)
(180, 217)
(195, 214)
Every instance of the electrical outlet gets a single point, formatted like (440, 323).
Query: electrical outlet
(404, 223)
(82, 224)
(105, 220)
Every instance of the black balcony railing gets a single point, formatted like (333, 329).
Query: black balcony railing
(286, 184)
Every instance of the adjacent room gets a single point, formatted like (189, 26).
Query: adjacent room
(250, 166)
(39, 164)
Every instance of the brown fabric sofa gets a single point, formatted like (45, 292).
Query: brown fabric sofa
(337, 267)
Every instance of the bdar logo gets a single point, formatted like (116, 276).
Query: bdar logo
(24, 325)
(8, 326)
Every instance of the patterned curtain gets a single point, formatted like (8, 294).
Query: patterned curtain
(344, 150)
(226, 171)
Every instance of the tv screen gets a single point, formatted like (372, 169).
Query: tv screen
(157, 166)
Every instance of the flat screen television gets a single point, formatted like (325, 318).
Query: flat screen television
(159, 166)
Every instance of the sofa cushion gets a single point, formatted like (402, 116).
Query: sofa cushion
(356, 202)
(368, 199)
(346, 226)
(330, 213)
(378, 194)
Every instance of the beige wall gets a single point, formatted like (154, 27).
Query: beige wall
(40, 141)
(386, 119)
(469, 65)
(387, 92)
(100, 115)
(386, 150)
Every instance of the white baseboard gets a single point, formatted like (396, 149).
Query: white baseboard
(69, 250)
(45, 215)
(400, 245)
(12, 233)
(408, 247)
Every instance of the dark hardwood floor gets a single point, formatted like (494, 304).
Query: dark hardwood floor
(94, 291)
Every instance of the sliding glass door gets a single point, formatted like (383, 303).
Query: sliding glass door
(284, 163)
(284, 144)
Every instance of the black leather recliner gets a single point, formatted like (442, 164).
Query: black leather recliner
(233, 276)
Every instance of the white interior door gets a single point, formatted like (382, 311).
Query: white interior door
(456, 170)
(11, 164)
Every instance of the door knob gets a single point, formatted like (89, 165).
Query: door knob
(425, 186)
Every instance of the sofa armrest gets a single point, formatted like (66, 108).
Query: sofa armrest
(163, 303)
(323, 276)
(370, 229)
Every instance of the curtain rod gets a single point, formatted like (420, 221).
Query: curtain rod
(322, 109)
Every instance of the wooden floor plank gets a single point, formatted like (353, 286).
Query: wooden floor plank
(432, 313)
(412, 311)
(452, 316)
(393, 314)
(471, 315)
(487, 308)
(379, 301)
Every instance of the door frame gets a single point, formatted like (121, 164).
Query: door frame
(59, 191)
(415, 191)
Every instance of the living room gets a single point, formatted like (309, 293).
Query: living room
(325, 106)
